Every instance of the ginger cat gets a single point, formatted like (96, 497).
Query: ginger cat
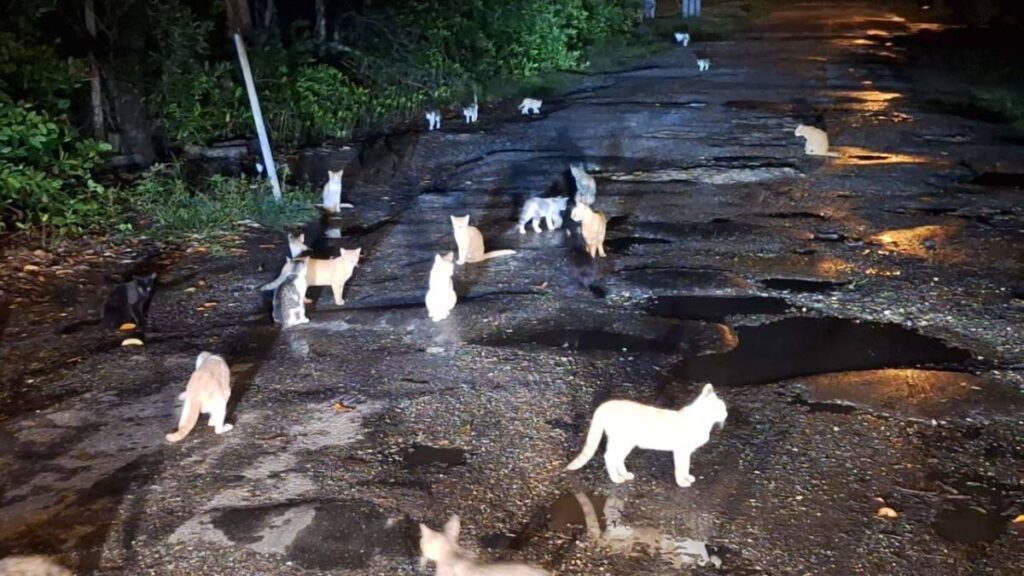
(631, 425)
(332, 192)
(207, 392)
(592, 225)
(816, 141)
(441, 295)
(334, 272)
(443, 549)
(471, 242)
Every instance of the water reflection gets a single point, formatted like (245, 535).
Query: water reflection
(856, 156)
(919, 241)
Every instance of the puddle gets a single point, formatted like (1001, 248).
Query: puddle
(796, 214)
(1000, 179)
(806, 346)
(968, 524)
(715, 308)
(802, 285)
(319, 535)
(679, 280)
(421, 455)
(919, 241)
(591, 340)
(623, 245)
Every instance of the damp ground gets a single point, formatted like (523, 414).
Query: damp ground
(860, 316)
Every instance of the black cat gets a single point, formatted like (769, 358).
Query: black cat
(129, 302)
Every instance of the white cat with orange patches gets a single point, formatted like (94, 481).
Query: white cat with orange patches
(471, 242)
(632, 425)
(592, 226)
(443, 549)
(815, 141)
(207, 392)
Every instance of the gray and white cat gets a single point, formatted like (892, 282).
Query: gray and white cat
(632, 425)
(703, 64)
(586, 186)
(297, 245)
(471, 112)
(550, 209)
(683, 38)
(530, 106)
(290, 295)
(451, 560)
(433, 120)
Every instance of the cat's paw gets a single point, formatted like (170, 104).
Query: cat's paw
(618, 479)
(522, 230)
(629, 476)
(685, 481)
(225, 428)
(340, 302)
(692, 478)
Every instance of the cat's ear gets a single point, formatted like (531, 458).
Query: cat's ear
(425, 530)
(452, 527)
(448, 257)
(301, 238)
(707, 390)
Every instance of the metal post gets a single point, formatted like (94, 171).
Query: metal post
(257, 116)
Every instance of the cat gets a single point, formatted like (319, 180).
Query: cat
(332, 193)
(683, 38)
(290, 295)
(129, 302)
(650, 6)
(631, 424)
(471, 242)
(334, 272)
(433, 120)
(816, 141)
(31, 566)
(703, 64)
(586, 186)
(297, 245)
(550, 209)
(443, 549)
(471, 112)
(207, 392)
(592, 226)
(530, 106)
(441, 296)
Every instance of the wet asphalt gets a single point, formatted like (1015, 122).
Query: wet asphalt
(860, 316)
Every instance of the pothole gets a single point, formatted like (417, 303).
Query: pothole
(802, 285)
(421, 455)
(715, 308)
(801, 346)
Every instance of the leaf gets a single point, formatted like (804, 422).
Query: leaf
(127, 327)
(30, 268)
(1019, 519)
(886, 512)
(132, 342)
(340, 406)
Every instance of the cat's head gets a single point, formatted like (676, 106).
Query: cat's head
(297, 244)
(445, 262)
(711, 406)
(440, 546)
(460, 222)
(145, 284)
(351, 256)
(202, 358)
(579, 212)
(334, 176)
(800, 130)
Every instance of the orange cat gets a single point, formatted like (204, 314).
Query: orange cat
(471, 242)
(334, 272)
(592, 224)
(207, 392)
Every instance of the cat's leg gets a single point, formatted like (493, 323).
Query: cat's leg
(600, 249)
(217, 416)
(614, 455)
(550, 221)
(337, 290)
(536, 223)
(557, 221)
(626, 474)
(682, 465)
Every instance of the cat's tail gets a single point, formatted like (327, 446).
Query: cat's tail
(495, 254)
(831, 154)
(590, 447)
(189, 417)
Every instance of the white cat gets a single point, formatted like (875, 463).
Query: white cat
(631, 424)
(441, 296)
(703, 64)
(471, 112)
(683, 38)
(433, 120)
(550, 209)
(207, 392)
(816, 141)
(530, 106)
(443, 549)
(332, 192)
(586, 186)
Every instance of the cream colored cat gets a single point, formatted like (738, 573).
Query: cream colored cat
(530, 106)
(815, 141)
(592, 225)
(631, 425)
(471, 242)
(441, 296)
(31, 566)
(207, 392)
(332, 192)
(451, 560)
(334, 272)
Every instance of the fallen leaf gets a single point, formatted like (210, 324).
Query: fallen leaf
(209, 304)
(886, 512)
(190, 289)
(131, 342)
(201, 283)
(1019, 519)
(341, 407)
(127, 327)
(30, 268)
(74, 360)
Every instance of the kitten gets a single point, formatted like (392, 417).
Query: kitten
(207, 392)
(649, 9)
(443, 549)
(129, 302)
(683, 38)
(816, 141)
(471, 112)
(630, 425)
(471, 242)
(592, 227)
(530, 106)
(433, 120)
(290, 295)
(550, 209)
(703, 64)
(297, 245)
(586, 186)
(332, 193)
(441, 296)
(334, 272)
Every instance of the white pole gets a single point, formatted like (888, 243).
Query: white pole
(257, 116)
